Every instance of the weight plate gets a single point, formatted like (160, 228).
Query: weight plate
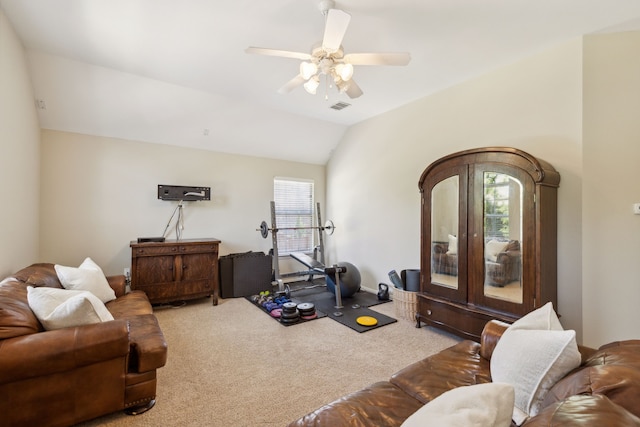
(285, 315)
(264, 229)
(310, 317)
(307, 314)
(276, 312)
(285, 320)
(329, 227)
(304, 306)
(367, 321)
(290, 305)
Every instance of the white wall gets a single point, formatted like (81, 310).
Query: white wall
(19, 151)
(99, 193)
(372, 179)
(611, 184)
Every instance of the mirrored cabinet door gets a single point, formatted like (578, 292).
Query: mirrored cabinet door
(500, 244)
(445, 197)
(446, 213)
(488, 238)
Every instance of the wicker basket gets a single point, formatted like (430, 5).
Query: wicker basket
(406, 304)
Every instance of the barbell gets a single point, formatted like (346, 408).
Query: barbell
(264, 229)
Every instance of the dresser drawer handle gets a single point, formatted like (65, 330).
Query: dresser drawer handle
(428, 312)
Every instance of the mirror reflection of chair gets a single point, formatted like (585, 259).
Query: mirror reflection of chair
(503, 262)
(445, 257)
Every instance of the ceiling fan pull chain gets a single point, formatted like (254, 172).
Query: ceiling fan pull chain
(326, 87)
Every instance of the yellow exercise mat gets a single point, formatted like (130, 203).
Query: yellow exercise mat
(367, 321)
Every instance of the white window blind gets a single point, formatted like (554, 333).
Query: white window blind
(294, 208)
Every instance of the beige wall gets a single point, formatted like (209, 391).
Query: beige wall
(372, 185)
(99, 193)
(611, 184)
(19, 150)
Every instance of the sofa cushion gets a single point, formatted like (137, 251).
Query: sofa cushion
(456, 366)
(532, 355)
(584, 410)
(87, 277)
(60, 308)
(41, 274)
(612, 371)
(380, 404)
(452, 249)
(493, 248)
(16, 317)
(131, 304)
(480, 405)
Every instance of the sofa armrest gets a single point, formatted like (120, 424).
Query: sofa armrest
(440, 248)
(491, 334)
(148, 346)
(61, 350)
(118, 283)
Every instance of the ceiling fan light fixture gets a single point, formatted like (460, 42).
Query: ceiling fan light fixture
(308, 70)
(345, 71)
(312, 85)
(342, 86)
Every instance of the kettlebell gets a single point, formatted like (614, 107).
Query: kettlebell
(383, 292)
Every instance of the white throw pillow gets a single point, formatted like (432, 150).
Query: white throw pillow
(493, 249)
(87, 277)
(532, 355)
(60, 308)
(481, 405)
(452, 249)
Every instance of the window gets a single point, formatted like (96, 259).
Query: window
(496, 205)
(294, 209)
(502, 206)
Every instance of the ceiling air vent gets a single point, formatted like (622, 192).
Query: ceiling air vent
(339, 105)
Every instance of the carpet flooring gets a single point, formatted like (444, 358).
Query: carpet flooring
(229, 367)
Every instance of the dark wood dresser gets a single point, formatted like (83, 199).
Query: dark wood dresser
(176, 270)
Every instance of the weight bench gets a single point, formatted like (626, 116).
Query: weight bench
(312, 263)
(316, 266)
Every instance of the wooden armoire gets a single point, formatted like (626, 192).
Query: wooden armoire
(488, 239)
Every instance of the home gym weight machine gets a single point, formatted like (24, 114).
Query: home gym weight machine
(315, 266)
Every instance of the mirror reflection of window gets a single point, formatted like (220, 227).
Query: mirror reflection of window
(503, 236)
(444, 231)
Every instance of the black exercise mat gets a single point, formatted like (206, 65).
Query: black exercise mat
(316, 290)
(319, 314)
(352, 308)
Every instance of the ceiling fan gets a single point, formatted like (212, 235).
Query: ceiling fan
(327, 57)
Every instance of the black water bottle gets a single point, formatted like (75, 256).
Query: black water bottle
(395, 279)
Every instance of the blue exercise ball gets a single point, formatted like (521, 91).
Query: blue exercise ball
(349, 280)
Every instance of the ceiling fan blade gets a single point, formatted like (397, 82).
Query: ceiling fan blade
(402, 58)
(276, 52)
(353, 91)
(335, 29)
(291, 84)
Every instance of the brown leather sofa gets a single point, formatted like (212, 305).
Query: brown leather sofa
(65, 376)
(603, 391)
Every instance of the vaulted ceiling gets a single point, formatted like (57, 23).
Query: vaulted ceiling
(176, 72)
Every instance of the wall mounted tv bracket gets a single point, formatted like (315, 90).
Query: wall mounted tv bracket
(184, 193)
